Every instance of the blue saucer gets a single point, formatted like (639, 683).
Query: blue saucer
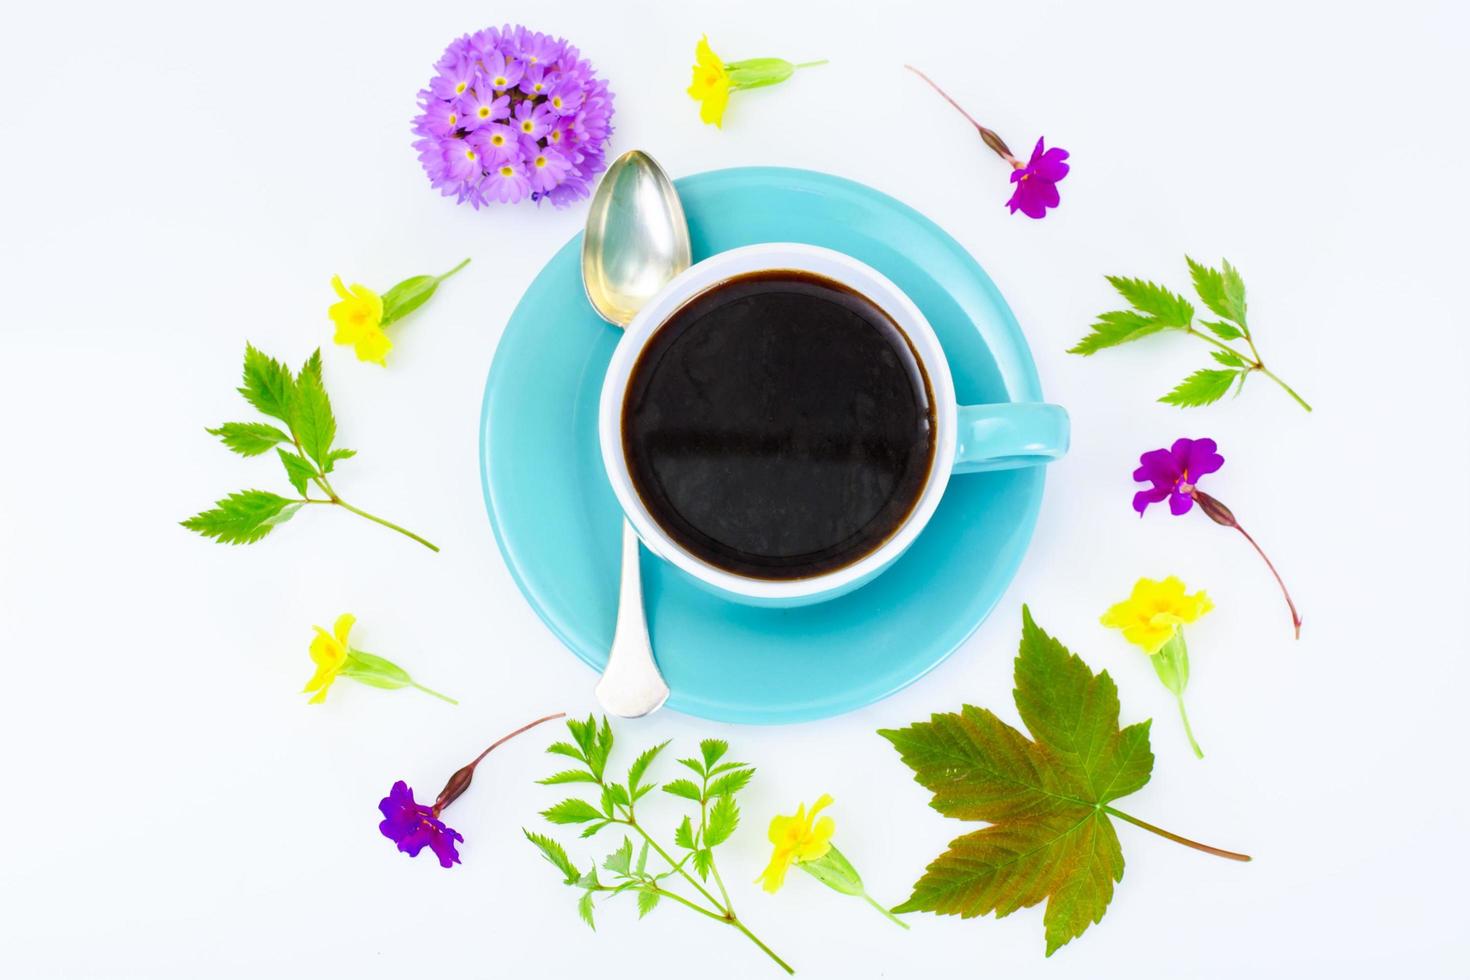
(558, 524)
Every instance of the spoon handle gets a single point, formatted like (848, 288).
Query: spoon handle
(631, 685)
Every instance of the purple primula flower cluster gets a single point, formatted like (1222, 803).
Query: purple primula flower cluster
(511, 114)
(411, 826)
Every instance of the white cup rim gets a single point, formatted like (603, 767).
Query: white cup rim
(703, 275)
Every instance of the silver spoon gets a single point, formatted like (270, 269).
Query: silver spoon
(637, 239)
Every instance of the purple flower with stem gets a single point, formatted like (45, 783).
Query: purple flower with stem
(413, 826)
(1035, 181)
(1175, 473)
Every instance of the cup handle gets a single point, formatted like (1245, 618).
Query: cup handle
(1009, 435)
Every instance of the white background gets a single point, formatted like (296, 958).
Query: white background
(178, 179)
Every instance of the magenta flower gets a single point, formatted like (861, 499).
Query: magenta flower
(516, 84)
(1175, 474)
(413, 826)
(1036, 183)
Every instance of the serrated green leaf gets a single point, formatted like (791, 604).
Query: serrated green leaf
(334, 456)
(1200, 388)
(588, 879)
(566, 749)
(1117, 327)
(554, 853)
(601, 750)
(712, 749)
(684, 835)
(1227, 358)
(732, 783)
(312, 411)
(584, 909)
(583, 732)
(640, 766)
(249, 438)
(243, 517)
(568, 776)
(591, 829)
(268, 385)
(1234, 294)
(724, 817)
(642, 865)
(644, 790)
(571, 810)
(703, 861)
(613, 793)
(1210, 285)
(298, 470)
(684, 788)
(726, 767)
(1049, 838)
(375, 671)
(407, 296)
(647, 902)
(1223, 330)
(1167, 306)
(620, 862)
(695, 765)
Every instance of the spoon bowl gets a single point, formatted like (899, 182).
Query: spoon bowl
(637, 237)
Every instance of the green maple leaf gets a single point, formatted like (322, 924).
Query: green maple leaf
(1050, 837)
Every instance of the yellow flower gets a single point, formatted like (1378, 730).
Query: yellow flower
(359, 318)
(711, 84)
(797, 839)
(1154, 611)
(329, 652)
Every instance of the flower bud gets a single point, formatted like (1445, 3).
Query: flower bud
(456, 786)
(1213, 509)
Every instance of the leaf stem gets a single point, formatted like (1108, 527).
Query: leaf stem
(1253, 363)
(811, 64)
(1184, 717)
(388, 524)
(1285, 387)
(764, 948)
(675, 865)
(887, 912)
(1217, 851)
(430, 691)
(452, 271)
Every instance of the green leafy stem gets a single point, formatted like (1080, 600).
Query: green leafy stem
(1156, 308)
(718, 816)
(300, 401)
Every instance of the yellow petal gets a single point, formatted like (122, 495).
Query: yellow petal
(712, 107)
(373, 346)
(772, 878)
(340, 289)
(342, 627)
(705, 56)
(326, 651)
(818, 842)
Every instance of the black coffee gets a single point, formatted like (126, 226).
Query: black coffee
(779, 425)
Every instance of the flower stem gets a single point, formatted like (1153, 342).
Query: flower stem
(989, 136)
(441, 697)
(452, 271)
(886, 912)
(1253, 362)
(811, 64)
(524, 728)
(1218, 852)
(1285, 387)
(1296, 619)
(388, 524)
(1184, 717)
(764, 948)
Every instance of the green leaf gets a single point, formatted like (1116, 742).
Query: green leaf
(613, 793)
(640, 766)
(724, 817)
(1200, 388)
(589, 878)
(584, 732)
(312, 411)
(554, 853)
(620, 862)
(726, 767)
(1223, 330)
(601, 750)
(1227, 358)
(568, 750)
(268, 385)
(1210, 285)
(243, 517)
(1234, 294)
(1117, 327)
(684, 788)
(1049, 837)
(1171, 309)
(336, 454)
(375, 671)
(712, 749)
(298, 470)
(249, 438)
(703, 861)
(407, 296)
(572, 811)
(584, 909)
(694, 764)
(684, 835)
(591, 829)
(568, 776)
(730, 784)
(642, 865)
(647, 902)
